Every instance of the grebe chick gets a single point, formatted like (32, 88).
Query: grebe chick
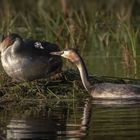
(26, 60)
(101, 90)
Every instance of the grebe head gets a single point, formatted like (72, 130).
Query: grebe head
(70, 53)
(8, 41)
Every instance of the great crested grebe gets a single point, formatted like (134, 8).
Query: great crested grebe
(101, 90)
(26, 60)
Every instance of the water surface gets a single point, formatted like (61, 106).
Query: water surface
(99, 119)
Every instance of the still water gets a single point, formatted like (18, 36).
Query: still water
(112, 63)
(74, 120)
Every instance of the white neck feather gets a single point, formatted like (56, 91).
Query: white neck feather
(83, 73)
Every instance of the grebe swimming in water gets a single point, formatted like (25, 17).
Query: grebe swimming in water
(27, 60)
(102, 90)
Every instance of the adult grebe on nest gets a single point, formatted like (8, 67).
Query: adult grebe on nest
(101, 90)
(27, 60)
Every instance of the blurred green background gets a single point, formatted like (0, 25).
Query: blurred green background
(105, 31)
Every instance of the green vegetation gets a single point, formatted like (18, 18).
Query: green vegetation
(106, 28)
(75, 23)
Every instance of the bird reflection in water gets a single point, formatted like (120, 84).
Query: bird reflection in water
(53, 124)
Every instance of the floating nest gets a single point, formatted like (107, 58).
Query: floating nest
(65, 85)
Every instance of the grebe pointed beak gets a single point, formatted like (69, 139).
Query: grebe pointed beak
(57, 53)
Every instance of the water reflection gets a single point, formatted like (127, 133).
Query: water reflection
(57, 123)
(91, 119)
(114, 119)
(47, 126)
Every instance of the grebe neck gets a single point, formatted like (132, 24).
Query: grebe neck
(83, 73)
